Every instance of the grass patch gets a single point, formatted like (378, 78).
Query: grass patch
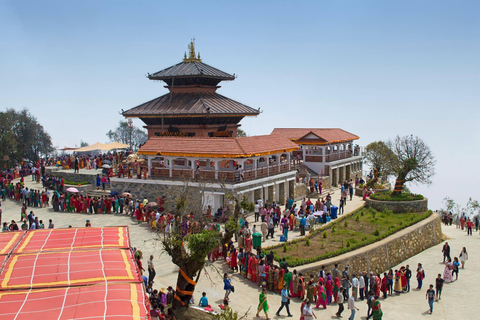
(73, 183)
(347, 233)
(402, 197)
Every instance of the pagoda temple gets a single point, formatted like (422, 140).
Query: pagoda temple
(192, 136)
(192, 108)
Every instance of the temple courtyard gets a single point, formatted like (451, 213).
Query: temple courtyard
(455, 302)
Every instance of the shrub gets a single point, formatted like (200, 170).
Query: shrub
(348, 243)
(402, 197)
(345, 224)
(325, 234)
(357, 219)
(376, 233)
(333, 229)
(285, 247)
(307, 242)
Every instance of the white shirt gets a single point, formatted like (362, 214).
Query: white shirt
(351, 303)
(308, 312)
(260, 202)
(257, 208)
(361, 282)
(355, 282)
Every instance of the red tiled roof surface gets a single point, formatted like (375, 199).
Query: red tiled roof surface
(325, 135)
(239, 147)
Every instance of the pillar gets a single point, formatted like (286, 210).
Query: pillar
(255, 165)
(291, 189)
(216, 168)
(149, 165)
(270, 193)
(281, 193)
(193, 168)
(289, 156)
(170, 161)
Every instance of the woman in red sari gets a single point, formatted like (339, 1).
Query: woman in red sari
(403, 279)
(248, 244)
(254, 269)
(301, 287)
(378, 284)
(291, 220)
(384, 288)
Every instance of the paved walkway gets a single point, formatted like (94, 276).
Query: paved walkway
(459, 298)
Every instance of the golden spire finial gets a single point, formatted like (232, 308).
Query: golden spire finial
(191, 53)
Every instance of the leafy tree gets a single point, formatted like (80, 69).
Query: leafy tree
(449, 204)
(22, 137)
(189, 252)
(412, 162)
(241, 133)
(378, 155)
(83, 144)
(122, 134)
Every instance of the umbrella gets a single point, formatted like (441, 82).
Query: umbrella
(152, 204)
(107, 161)
(106, 166)
(126, 194)
(72, 190)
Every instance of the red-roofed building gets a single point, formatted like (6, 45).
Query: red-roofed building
(327, 151)
(192, 134)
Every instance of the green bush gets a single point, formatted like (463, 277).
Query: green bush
(307, 242)
(345, 224)
(376, 233)
(357, 218)
(401, 197)
(348, 243)
(285, 248)
(325, 234)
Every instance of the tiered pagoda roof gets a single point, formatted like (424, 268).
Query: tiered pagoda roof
(192, 85)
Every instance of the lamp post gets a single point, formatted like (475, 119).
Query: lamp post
(130, 126)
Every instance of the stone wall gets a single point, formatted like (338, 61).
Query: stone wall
(383, 255)
(301, 191)
(398, 206)
(70, 176)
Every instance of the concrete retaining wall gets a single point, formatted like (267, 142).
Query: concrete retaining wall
(398, 206)
(383, 255)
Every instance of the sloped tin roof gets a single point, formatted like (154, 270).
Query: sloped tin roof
(190, 69)
(191, 103)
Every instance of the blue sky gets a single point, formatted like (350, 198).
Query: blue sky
(375, 68)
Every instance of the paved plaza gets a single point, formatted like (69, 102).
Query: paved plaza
(458, 298)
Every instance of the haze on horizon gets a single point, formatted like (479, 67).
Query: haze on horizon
(376, 69)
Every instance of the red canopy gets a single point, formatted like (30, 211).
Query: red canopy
(74, 273)
(102, 301)
(8, 241)
(68, 268)
(73, 238)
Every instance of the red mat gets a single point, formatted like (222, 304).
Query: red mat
(103, 301)
(68, 268)
(8, 241)
(73, 238)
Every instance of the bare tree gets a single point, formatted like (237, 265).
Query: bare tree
(413, 162)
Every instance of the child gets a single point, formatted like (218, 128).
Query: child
(456, 264)
(430, 295)
(438, 286)
(88, 224)
(203, 300)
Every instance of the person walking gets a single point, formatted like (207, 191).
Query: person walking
(352, 307)
(285, 302)
(463, 256)
(446, 251)
(340, 303)
(439, 286)
(263, 304)
(377, 312)
(430, 295)
(151, 270)
(227, 286)
(307, 311)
